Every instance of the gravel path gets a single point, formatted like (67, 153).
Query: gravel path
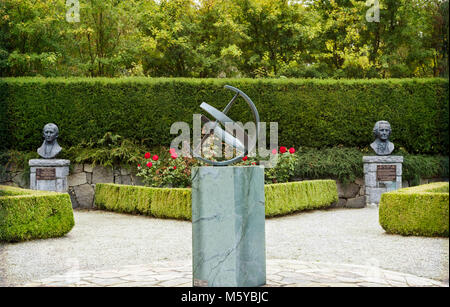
(103, 240)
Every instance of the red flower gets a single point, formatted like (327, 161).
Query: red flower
(139, 165)
(172, 151)
(274, 151)
(174, 167)
(283, 149)
(244, 158)
(155, 158)
(292, 150)
(174, 156)
(149, 164)
(253, 163)
(147, 155)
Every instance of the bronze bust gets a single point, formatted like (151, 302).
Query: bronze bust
(382, 131)
(50, 147)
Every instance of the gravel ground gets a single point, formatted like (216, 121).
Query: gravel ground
(103, 240)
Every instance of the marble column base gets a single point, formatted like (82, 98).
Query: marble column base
(58, 183)
(373, 187)
(228, 226)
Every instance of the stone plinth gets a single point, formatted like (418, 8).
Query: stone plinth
(374, 182)
(228, 234)
(49, 174)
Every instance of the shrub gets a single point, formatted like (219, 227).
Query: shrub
(284, 198)
(310, 113)
(285, 167)
(28, 214)
(166, 170)
(158, 202)
(176, 203)
(421, 210)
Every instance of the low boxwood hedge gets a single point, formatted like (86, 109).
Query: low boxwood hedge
(284, 198)
(28, 214)
(421, 210)
(280, 198)
(157, 202)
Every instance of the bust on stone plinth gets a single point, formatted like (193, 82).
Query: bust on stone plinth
(383, 172)
(48, 173)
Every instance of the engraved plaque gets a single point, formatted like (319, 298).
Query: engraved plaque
(45, 173)
(386, 173)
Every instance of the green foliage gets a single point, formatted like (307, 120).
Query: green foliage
(166, 170)
(27, 214)
(285, 198)
(284, 169)
(158, 202)
(420, 166)
(176, 203)
(310, 113)
(344, 164)
(420, 211)
(110, 150)
(224, 38)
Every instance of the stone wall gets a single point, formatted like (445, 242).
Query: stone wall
(82, 180)
(83, 177)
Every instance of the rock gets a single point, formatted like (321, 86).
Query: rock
(77, 179)
(102, 175)
(136, 180)
(20, 180)
(85, 195)
(88, 168)
(126, 179)
(357, 202)
(124, 171)
(117, 179)
(349, 190)
(339, 204)
(73, 198)
(77, 168)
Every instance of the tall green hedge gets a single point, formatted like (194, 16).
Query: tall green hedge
(27, 214)
(280, 198)
(313, 113)
(421, 210)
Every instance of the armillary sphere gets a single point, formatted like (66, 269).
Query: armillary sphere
(221, 118)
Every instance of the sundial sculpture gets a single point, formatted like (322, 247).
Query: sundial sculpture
(228, 209)
(221, 117)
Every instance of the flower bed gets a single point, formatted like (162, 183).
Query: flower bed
(280, 199)
(29, 214)
(421, 210)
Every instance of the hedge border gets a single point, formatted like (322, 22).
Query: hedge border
(281, 199)
(418, 211)
(311, 113)
(29, 214)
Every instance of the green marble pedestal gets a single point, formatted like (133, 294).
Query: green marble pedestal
(228, 235)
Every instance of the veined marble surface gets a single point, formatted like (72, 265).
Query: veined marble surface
(228, 235)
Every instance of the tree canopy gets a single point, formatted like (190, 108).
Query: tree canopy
(225, 38)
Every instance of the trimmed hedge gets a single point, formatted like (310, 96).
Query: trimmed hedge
(283, 198)
(312, 113)
(421, 210)
(157, 202)
(29, 214)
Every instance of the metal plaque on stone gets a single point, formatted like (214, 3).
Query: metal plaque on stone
(386, 172)
(45, 173)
